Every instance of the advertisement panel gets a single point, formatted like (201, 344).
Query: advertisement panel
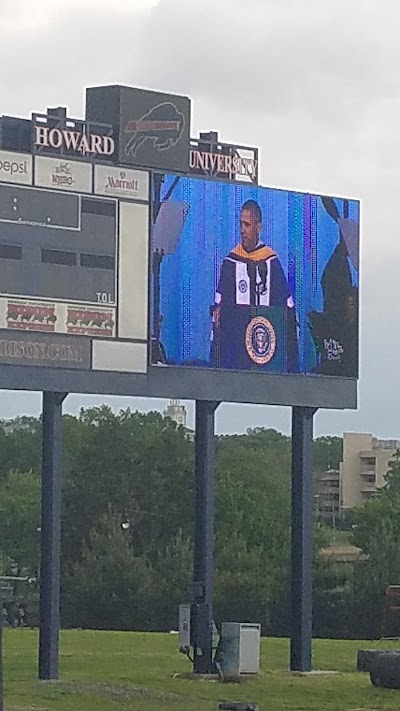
(255, 279)
(63, 174)
(23, 315)
(42, 350)
(121, 183)
(90, 321)
(15, 168)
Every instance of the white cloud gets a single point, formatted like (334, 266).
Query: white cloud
(23, 16)
(311, 57)
(314, 84)
(53, 54)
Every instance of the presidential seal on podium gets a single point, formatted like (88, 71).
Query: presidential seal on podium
(260, 340)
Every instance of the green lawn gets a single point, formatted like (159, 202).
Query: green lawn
(339, 536)
(110, 671)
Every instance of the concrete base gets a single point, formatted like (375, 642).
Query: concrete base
(314, 672)
(227, 679)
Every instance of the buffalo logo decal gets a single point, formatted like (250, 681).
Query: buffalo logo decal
(163, 125)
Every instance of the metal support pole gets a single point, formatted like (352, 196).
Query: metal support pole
(203, 564)
(302, 539)
(1, 656)
(50, 535)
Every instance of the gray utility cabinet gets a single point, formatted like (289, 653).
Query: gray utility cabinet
(184, 626)
(240, 647)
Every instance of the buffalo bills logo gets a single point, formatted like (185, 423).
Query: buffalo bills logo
(163, 125)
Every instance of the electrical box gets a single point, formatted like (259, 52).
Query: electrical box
(184, 626)
(240, 648)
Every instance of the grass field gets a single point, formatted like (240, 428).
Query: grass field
(109, 671)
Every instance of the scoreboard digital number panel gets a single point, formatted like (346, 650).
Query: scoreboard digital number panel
(57, 246)
(75, 262)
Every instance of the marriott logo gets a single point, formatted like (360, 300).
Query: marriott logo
(121, 183)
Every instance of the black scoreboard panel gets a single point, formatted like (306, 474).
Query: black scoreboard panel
(32, 206)
(55, 245)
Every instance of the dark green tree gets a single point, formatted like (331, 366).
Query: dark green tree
(253, 526)
(141, 465)
(128, 519)
(20, 520)
(327, 453)
(104, 588)
(20, 442)
(392, 479)
(377, 532)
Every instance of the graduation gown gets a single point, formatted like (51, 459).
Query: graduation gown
(255, 327)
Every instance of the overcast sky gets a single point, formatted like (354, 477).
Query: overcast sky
(313, 84)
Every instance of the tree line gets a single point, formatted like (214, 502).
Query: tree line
(127, 525)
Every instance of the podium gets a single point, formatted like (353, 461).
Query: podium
(260, 338)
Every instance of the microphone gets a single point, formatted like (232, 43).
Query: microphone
(251, 273)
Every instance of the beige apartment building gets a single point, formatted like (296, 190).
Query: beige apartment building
(364, 466)
(327, 496)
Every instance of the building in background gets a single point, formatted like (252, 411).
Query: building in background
(178, 414)
(327, 496)
(361, 472)
(364, 467)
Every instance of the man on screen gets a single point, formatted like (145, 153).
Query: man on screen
(253, 315)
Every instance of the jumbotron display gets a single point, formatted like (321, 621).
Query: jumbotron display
(127, 244)
(258, 279)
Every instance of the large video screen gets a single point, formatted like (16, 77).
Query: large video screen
(252, 278)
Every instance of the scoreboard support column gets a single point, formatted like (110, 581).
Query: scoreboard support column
(50, 536)
(302, 539)
(203, 563)
(1, 656)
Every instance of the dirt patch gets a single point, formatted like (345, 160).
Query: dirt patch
(120, 692)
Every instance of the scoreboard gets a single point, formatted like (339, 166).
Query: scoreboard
(73, 262)
(115, 231)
